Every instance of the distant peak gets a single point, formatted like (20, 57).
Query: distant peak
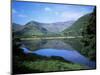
(32, 22)
(15, 24)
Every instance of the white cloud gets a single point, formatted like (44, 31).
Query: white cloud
(22, 15)
(14, 11)
(69, 15)
(47, 9)
(57, 13)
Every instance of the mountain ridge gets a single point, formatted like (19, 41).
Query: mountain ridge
(55, 27)
(78, 26)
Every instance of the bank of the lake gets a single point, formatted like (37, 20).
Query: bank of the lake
(51, 37)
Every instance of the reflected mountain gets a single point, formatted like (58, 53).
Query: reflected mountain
(57, 44)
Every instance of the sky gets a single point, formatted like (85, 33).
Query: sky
(23, 12)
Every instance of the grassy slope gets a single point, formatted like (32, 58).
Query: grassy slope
(51, 65)
(77, 27)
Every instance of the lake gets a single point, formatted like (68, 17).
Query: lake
(68, 49)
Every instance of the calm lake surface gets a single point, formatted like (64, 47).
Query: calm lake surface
(67, 49)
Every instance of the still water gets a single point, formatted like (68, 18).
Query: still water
(65, 49)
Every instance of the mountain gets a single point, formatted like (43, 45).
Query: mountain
(16, 27)
(57, 27)
(89, 37)
(32, 28)
(78, 26)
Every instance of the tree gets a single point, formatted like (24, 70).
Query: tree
(89, 35)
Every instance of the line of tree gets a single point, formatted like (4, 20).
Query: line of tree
(89, 35)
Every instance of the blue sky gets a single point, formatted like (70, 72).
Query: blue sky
(23, 12)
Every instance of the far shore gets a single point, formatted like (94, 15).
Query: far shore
(62, 37)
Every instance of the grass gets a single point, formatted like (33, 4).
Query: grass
(36, 64)
(51, 65)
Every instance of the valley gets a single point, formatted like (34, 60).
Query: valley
(59, 46)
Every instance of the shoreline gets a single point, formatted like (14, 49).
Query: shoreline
(47, 38)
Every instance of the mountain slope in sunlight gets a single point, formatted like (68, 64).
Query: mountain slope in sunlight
(78, 26)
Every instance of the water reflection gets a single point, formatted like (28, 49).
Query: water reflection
(42, 44)
(56, 44)
(61, 48)
(69, 55)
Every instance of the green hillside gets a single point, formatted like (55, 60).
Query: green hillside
(85, 27)
(89, 37)
(78, 26)
(31, 29)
